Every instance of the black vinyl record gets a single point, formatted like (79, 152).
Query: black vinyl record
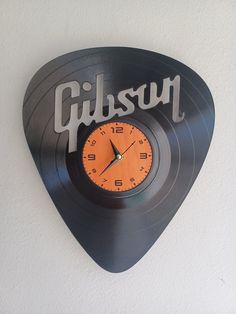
(118, 228)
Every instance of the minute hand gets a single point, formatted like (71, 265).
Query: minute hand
(114, 161)
(128, 148)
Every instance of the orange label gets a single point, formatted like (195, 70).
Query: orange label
(117, 156)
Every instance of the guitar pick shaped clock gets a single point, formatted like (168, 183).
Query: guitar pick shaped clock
(119, 136)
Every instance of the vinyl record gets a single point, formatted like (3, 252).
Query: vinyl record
(167, 104)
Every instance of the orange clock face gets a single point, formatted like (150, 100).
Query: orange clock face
(117, 156)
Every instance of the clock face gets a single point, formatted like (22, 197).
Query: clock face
(117, 156)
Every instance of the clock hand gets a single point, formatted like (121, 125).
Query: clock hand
(114, 161)
(117, 157)
(128, 148)
(115, 150)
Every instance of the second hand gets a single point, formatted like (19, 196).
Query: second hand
(128, 148)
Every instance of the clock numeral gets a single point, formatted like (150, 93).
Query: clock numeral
(141, 169)
(91, 156)
(132, 180)
(117, 129)
(140, 141)
(143, 155)
(94, 170)
(118, 183)
(102, 132)
(104, 180)
(93, 143)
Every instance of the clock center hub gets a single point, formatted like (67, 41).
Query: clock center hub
(119, 157)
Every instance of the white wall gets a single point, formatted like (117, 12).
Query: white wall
(192, 267)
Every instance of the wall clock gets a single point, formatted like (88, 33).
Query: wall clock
(119, 136)
(117, 156)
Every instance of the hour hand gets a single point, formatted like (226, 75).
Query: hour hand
(114, 148)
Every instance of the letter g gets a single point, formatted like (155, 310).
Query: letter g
(72, 125)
